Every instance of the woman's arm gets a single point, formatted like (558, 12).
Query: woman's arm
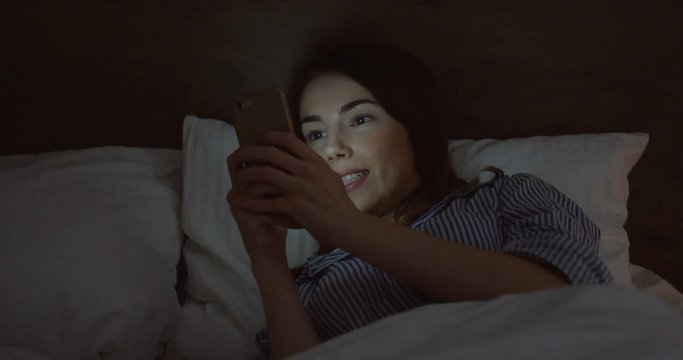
(440, 268)
(289, 327)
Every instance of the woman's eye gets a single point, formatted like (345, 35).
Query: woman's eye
(314, 135)
(361, 119)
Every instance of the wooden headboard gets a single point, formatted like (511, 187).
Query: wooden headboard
(126, 72)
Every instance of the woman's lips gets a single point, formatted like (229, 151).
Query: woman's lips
(355, 184)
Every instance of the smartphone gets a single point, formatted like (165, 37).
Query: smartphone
(256, 114)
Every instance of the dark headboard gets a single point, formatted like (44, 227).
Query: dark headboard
(82, 74)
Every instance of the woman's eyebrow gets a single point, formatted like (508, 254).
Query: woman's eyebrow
(312, 118)
(353, 104)
(341, 110)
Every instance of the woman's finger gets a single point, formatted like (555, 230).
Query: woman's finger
(261, 190)
(256, 193)
(253, 190)
(276, 205)
(269, 175)
(278, 220)
(263, 155)
(234, 164)
(290, 143)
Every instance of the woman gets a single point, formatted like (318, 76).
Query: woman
(373, 182)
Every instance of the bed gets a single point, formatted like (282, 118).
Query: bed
(116, 242)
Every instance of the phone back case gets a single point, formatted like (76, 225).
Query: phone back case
(260, 112)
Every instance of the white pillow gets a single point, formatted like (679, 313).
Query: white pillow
(89, 242)
(223, 310)
(591, 169)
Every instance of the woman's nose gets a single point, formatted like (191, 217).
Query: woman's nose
(336, 147)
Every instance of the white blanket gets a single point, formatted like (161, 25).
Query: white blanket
(580, 322)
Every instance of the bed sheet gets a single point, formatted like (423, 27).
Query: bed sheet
(652, 292)
(579, 322)
(567, 323)
(654, 284)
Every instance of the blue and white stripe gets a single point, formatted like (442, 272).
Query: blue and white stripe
(519, 215)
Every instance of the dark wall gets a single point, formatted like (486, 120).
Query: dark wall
(88, 73)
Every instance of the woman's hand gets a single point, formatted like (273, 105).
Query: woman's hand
(309, 193)
(261, 201)
(262, 240)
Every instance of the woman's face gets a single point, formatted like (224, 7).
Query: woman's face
(371, 151)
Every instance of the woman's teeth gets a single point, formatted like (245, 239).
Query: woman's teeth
(347, 179)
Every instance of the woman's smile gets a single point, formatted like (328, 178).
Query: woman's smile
(354, 180)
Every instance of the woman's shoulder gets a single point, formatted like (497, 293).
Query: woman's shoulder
(520, 179)
(524, 185)
(524, 191)
(495, 180)
(500, 188)
(508, 183)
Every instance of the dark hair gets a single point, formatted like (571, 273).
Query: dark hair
(406, 89)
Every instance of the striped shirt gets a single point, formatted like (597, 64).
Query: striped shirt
(519, 215)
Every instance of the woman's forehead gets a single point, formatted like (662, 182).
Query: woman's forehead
(329, 91)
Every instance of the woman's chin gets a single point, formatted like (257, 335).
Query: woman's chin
(361, 205)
